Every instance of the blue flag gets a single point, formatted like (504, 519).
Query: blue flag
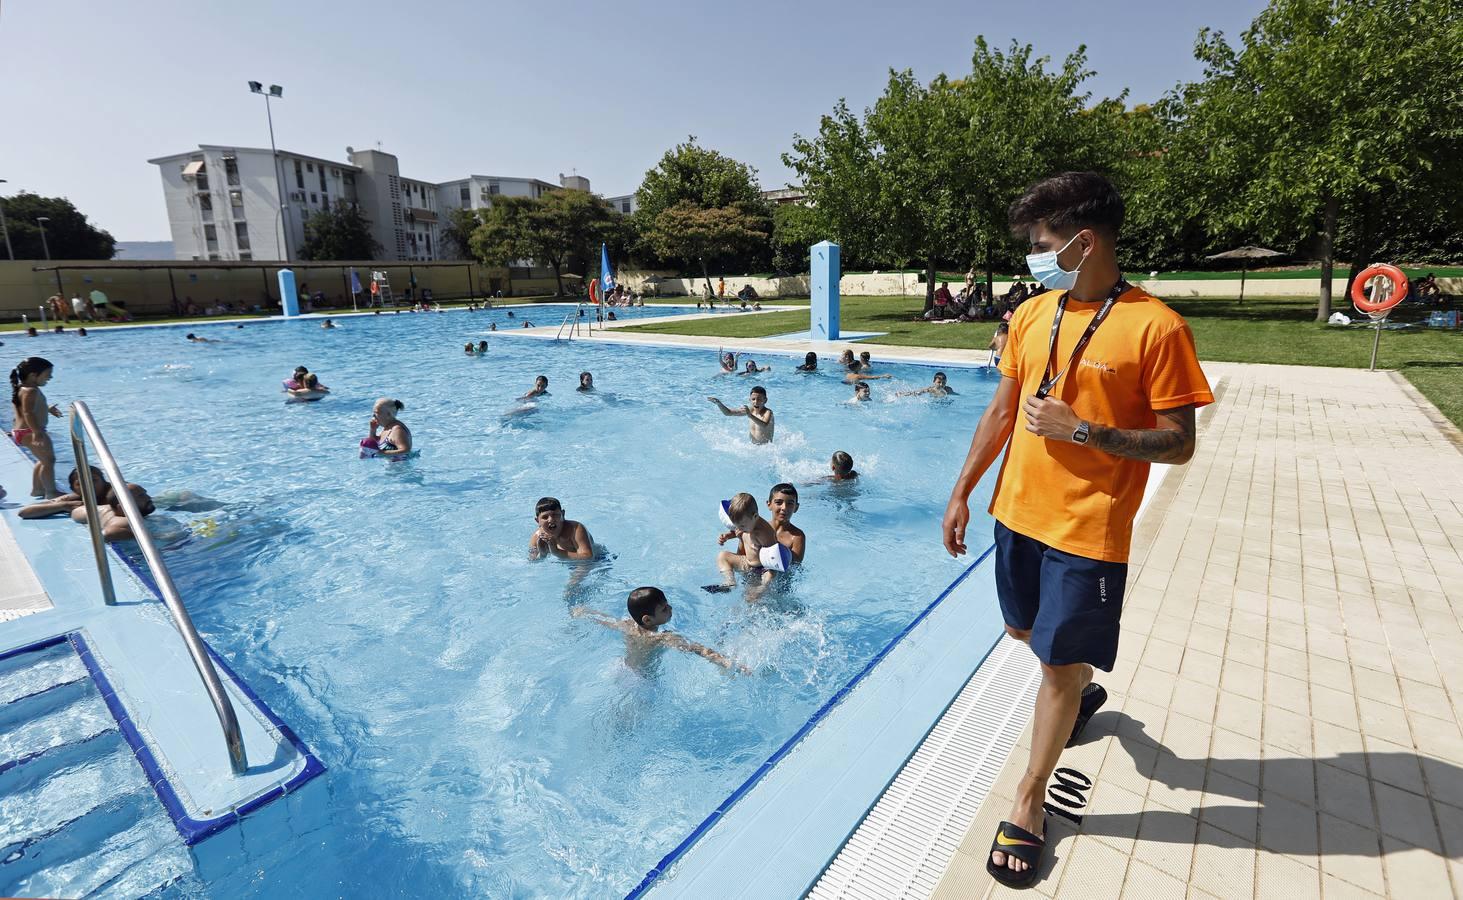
(606, 274)
(355, 283)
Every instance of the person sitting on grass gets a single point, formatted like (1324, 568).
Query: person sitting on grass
(759, 416)
(557, 536)
(648, 610)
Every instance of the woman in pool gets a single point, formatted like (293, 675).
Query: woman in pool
(389, 435)
(31, 410)
(810, 363)
(586, 383)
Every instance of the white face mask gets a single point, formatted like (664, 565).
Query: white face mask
(1049, 273)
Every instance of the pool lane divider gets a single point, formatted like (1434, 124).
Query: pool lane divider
(679, 851)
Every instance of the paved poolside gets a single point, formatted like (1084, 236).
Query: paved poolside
(1284, 719)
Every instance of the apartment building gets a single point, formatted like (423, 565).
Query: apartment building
(223, 203)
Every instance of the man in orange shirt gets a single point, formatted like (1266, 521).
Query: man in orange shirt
(1099, 379)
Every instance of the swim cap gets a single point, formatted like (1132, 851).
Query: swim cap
(776, 557)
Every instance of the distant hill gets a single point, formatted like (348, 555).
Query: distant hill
(144, 250)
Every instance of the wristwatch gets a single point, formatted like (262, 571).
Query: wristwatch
(1083, 432)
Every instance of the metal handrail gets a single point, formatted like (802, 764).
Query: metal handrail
(80, 415)
(567, 317)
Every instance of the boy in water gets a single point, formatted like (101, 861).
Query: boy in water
(782, 502)
(843, 469)
(755, 533)
(649, 610)
(557, 536)
(759, 415)
(586, 383)
(855, 374)
(540, 388)
(861, 393)
(939, 387)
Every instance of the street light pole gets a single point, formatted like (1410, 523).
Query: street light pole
(5, 228)
(277, 92)
(41, 221)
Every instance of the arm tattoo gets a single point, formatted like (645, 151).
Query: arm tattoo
(1171, 442)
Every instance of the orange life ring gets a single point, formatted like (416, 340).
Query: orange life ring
(594, 293)
(1361, 301)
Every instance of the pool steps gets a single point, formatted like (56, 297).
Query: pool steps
(103, 716)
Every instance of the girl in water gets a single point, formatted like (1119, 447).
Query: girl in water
(389, 435)
(31, 409)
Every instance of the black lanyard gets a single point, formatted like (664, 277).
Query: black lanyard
(1049, 380)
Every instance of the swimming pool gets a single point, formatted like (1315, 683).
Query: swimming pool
(478, 738)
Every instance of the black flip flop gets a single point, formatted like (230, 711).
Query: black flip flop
(1093, 697)
(1013, 840)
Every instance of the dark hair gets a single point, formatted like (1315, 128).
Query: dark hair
(810, 359)
(783, 487)
(310, 381)
(482, 345)
(644, 601)
(842, 462)
(759, 389)
(942, 375)
(1070, 202)
(1003, 327)
(188, 336)
(852, 365)
(543, 378)
(31, 365)
(98, 483)
(82, 331)
(546, 504)
(865, 353)
(582, 374)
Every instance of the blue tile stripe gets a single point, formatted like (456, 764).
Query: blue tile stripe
(706, 825)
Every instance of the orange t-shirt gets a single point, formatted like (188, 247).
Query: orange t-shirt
(1073, 497)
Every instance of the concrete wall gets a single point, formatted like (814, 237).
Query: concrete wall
(148, 289)
(894, 285)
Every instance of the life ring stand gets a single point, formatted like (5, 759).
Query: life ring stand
(594, 292)
(1377, 309)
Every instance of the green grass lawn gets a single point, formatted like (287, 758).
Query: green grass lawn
(1257, 331)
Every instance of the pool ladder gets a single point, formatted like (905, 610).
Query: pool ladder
(572, 321)
(81, 416)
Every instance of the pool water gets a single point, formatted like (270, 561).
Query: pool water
(480, 739)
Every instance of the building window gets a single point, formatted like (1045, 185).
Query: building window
(350, 178)
(210, 238)
(236, 199)
(213, 257)
(241, 234)
(205, 206)
(201, 182)
(464, 195)
(314, 198)
(494, 187)
(624, 206)
(231, 169)
(299, 175)
(310, 167)
(322, 179)
(245, 255)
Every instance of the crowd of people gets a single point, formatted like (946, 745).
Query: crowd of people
(90, 307)
(974, 302)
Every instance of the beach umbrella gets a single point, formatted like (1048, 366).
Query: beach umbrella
(1245, 254)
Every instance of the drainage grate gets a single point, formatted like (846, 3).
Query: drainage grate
(908, 837)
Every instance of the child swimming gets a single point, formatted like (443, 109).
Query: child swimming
(310, 389)
(754, 533)
(782, 502)
(540, 388)
(586, 383)
(861, 393)
(557, 536)
(843, 469)
(759, 416)
(648, 610)
(856, 372)
(31, 411)
(810, 363)
(939, 387)
(754, 369)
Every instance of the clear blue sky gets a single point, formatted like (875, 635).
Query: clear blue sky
(92, 90)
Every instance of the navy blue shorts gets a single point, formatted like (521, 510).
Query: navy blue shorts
(1070, 604)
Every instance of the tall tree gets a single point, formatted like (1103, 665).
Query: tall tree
(686, 231)
(457, 233)
(795, 228)
(68, 234)
(695, 177)
(340, 232)
(549, 229)
(1326, 111)
(928, 172)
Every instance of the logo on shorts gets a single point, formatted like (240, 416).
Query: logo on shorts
(1102, 589)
